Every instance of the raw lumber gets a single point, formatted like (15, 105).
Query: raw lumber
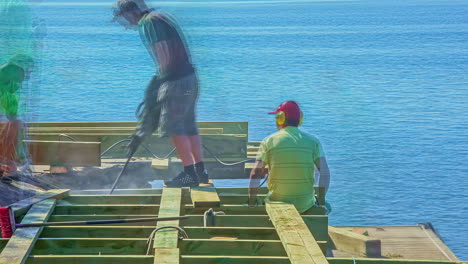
(205, 195)
(354, 243)
(166, 240)
(69, 153)
(298, 242)
(21, 207)
(23, 240)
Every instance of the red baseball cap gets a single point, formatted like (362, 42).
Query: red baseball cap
(290, 109)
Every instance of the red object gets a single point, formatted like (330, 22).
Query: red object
(8, 144)
(5, 222)
(290, 109)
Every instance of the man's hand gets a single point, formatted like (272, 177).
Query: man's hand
(133, 145)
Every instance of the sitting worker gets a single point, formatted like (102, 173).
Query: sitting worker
(12, 75)
(291, 156)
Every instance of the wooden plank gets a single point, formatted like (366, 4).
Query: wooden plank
(21, 207)
(21, 243)
(97, 209)
(234, 260)
(90, 246)
(84, 217)
(193, 259)
(95, 259)
(205, 195)
(230, 127)
(111, 199)
(387, 261)
(298, 242)
(354, 243)
(160, 164)
(106, 130)
(69, 153)
(235, 247)
(166, 241)
(243, 210)
(110, 231)
(117, 192)
(99, 131)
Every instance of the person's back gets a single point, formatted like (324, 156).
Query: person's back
(289, 155)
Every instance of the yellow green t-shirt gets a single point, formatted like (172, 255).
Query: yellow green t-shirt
(290, 154)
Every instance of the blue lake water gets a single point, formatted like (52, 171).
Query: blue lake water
(383, 84)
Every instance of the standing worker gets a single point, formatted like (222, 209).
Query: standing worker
(171, 95)
(291, 156)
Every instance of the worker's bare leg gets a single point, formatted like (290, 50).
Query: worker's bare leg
(184, 149)
(196, 145)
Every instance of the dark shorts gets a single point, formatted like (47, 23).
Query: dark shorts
(178, 99)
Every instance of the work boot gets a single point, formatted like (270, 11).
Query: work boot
(183, 180)
(202, 173)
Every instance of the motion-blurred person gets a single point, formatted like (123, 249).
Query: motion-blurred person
(170, 98)
(12, 75)
(291, 156)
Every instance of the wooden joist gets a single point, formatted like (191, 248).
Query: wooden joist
(112, 131)
(102, 209)
(354, 243)
(205, 195)
(229, 127)
(94, 258)
(166, 240)
(111, 199)
(78, 154)
(21, 207)
(23, 240)
(298, 242)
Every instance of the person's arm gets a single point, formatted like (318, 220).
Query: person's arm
(256, 174)
(322, 166)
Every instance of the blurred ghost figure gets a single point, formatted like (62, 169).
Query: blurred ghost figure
(12, 76)
(20, 44)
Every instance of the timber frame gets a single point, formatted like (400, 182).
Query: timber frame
(271, 233)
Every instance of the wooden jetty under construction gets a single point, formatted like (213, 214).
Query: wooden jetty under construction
(220, 227)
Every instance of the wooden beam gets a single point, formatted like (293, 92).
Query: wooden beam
(84, 217)
(21, 243)
(297, 240)
(111, 199)
(243, 210)
(166, 240)
(69, 153)
(242, 247)
(354, 243)
(205, 195)
(239, 247)
(217, 259)
(387, 261)
(115, 209)
(112, 231)
(95, 259)
(117, 191)
(90, 246)
(160, 164)
(21, 207)
(230, 127)
(101, 131)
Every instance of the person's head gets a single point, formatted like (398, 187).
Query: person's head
(129, 10)
(25, 62)
(288, 114)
